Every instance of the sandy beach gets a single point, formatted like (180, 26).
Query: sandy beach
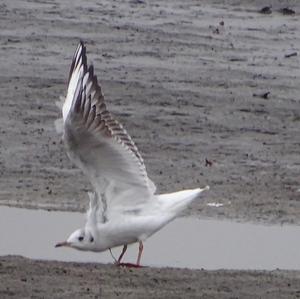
(209, 91)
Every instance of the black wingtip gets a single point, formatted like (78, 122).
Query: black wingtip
(81, 43)
(91, 70)
(80, 48)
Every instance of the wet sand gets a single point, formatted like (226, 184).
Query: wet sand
(182, 84)
(40, 279)
(190, 82)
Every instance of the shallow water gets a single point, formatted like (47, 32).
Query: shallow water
(186, 242)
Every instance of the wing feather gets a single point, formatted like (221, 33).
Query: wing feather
(98, 144)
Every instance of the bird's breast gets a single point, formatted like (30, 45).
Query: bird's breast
(129, 230)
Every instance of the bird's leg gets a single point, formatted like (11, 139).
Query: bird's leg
(130, 265)
(122, 254)
(141, 247)
(113, 256)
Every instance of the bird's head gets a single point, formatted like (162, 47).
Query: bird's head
(81, 239)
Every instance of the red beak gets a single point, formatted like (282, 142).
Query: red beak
(61, 244)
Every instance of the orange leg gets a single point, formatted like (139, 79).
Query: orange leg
(122, 254)
(141, 247)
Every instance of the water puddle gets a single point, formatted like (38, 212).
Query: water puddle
(186, 242)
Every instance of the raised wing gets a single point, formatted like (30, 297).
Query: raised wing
(99, 145)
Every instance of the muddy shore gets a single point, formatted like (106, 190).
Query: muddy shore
(190, 81)
(24, 278)
(185, 87)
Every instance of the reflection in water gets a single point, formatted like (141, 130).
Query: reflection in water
(186, 242)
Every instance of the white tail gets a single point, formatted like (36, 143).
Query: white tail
(177, 201)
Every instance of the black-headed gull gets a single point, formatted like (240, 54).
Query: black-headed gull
(123, 208)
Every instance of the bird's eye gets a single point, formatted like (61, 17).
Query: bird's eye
(92, 239)
(80, 238)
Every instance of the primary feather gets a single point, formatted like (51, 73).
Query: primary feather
(99, 145)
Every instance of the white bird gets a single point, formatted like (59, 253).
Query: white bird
(123, 208)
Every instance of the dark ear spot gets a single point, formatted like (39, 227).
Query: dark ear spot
(91, 239)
